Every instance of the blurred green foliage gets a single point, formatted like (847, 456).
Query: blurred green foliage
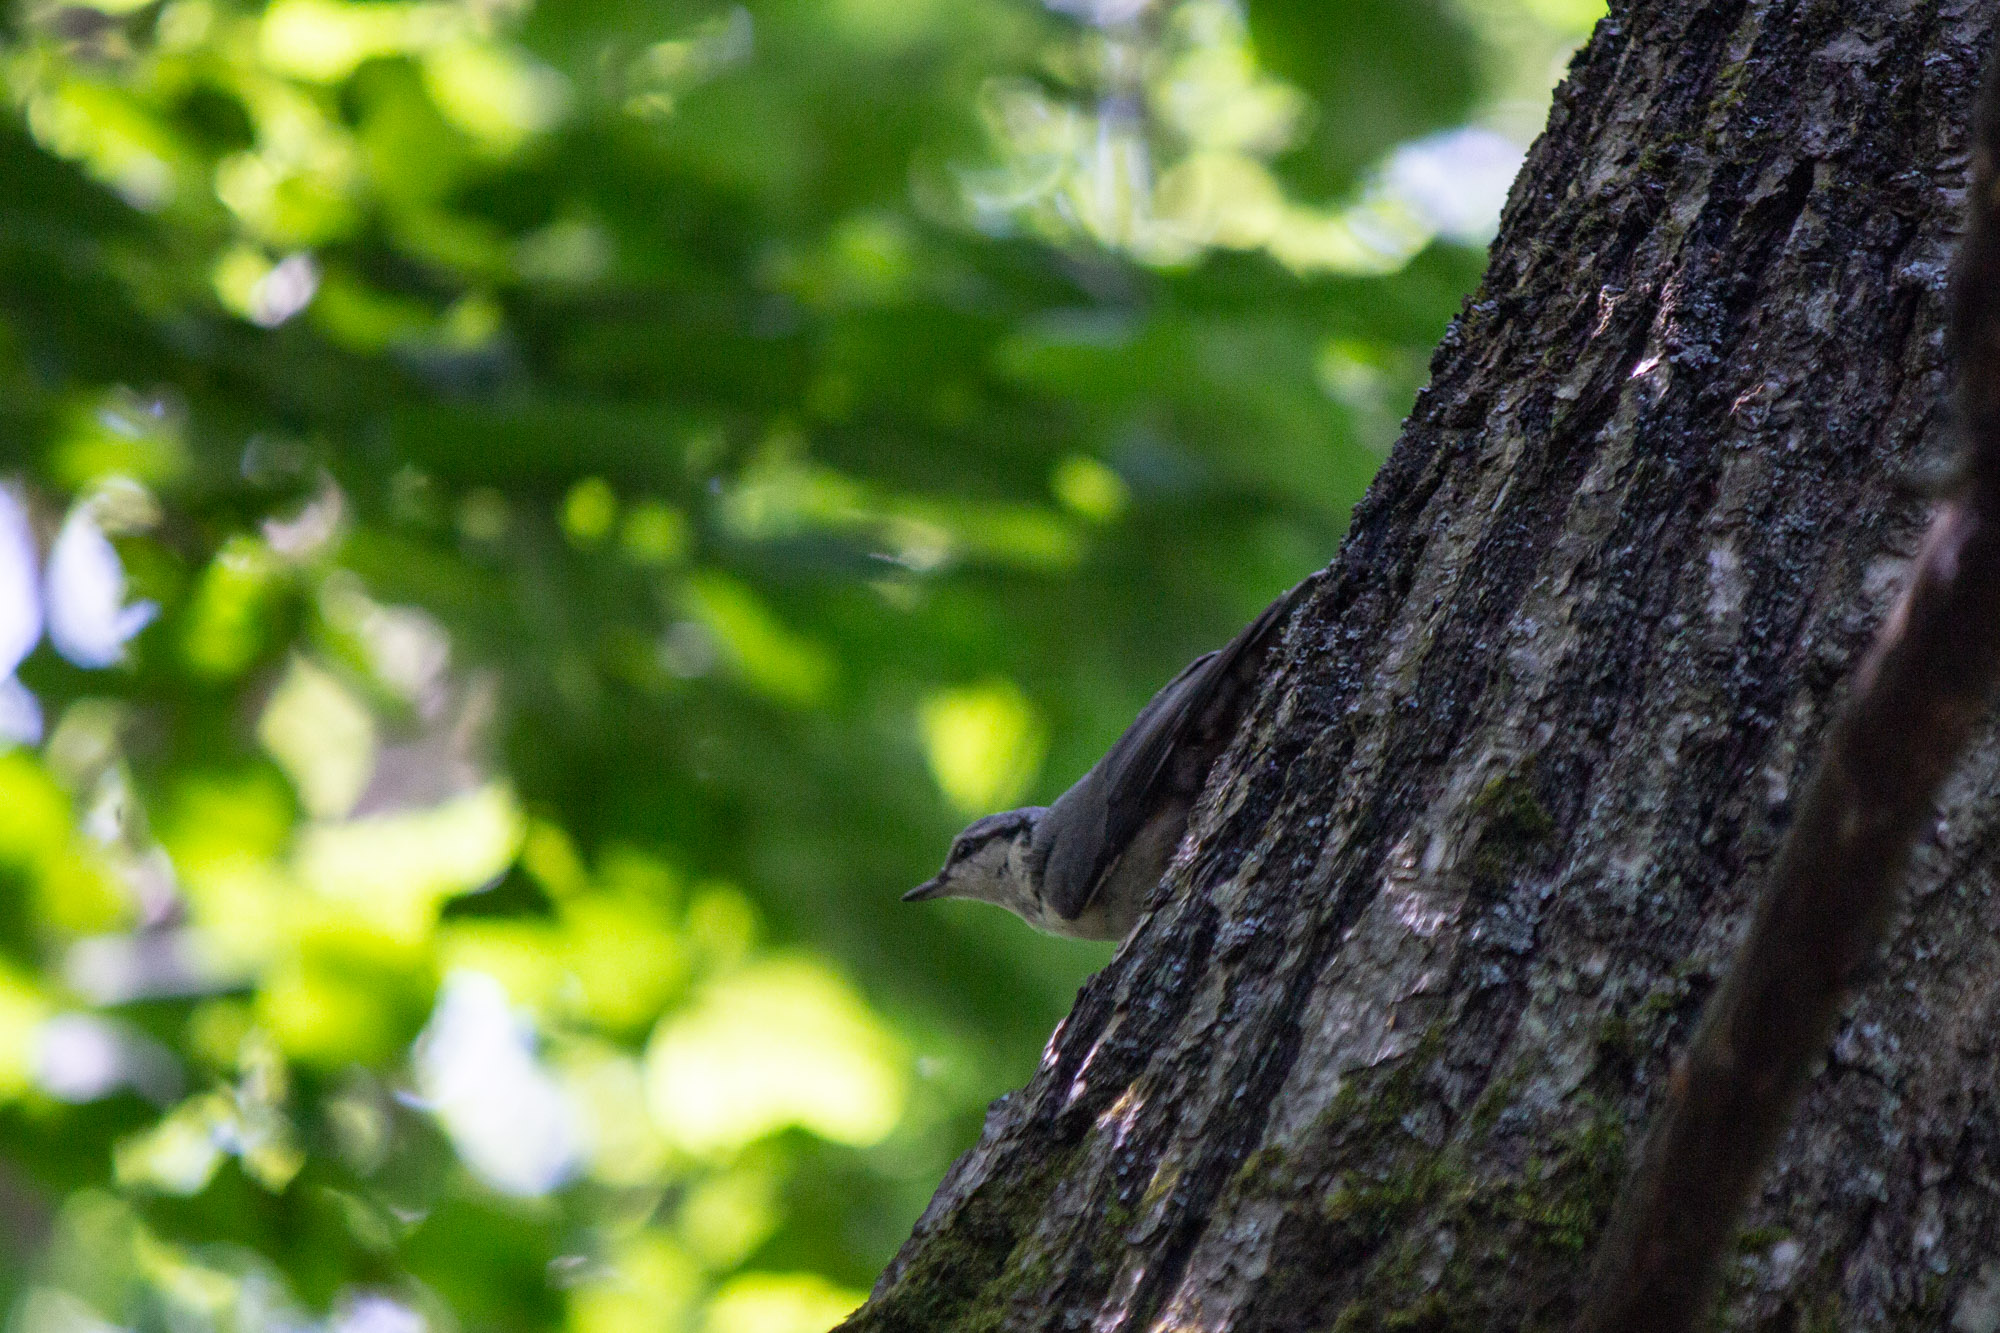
(603, 490)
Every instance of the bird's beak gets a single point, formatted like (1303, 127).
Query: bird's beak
(930, 888)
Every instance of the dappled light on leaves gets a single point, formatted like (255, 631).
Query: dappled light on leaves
(228, 614)
(985, 744)
(396, 870)
(23, 1011)
(769, 657)
(1090, 488)
(779, 1303)
(118, 436)
(1167, 148)
(264, 291)
(525, 527)
(780, 1043)
(646, 1281)
(322, 737)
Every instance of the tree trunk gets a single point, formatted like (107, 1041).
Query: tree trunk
(1453, 900)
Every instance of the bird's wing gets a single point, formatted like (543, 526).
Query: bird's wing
(1198, 707)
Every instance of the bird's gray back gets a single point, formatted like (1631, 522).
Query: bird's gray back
(1093, 822)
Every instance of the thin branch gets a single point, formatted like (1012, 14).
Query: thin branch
(1918, 694)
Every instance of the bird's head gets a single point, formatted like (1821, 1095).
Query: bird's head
(989, 862)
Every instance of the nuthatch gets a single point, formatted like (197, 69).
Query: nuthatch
(1085, 866)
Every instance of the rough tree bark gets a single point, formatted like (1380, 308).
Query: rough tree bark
(1453, 899)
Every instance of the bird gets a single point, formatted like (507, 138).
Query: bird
(1085, 866)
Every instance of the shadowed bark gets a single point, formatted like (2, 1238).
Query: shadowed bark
(1521, 763)
(1912, 704)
